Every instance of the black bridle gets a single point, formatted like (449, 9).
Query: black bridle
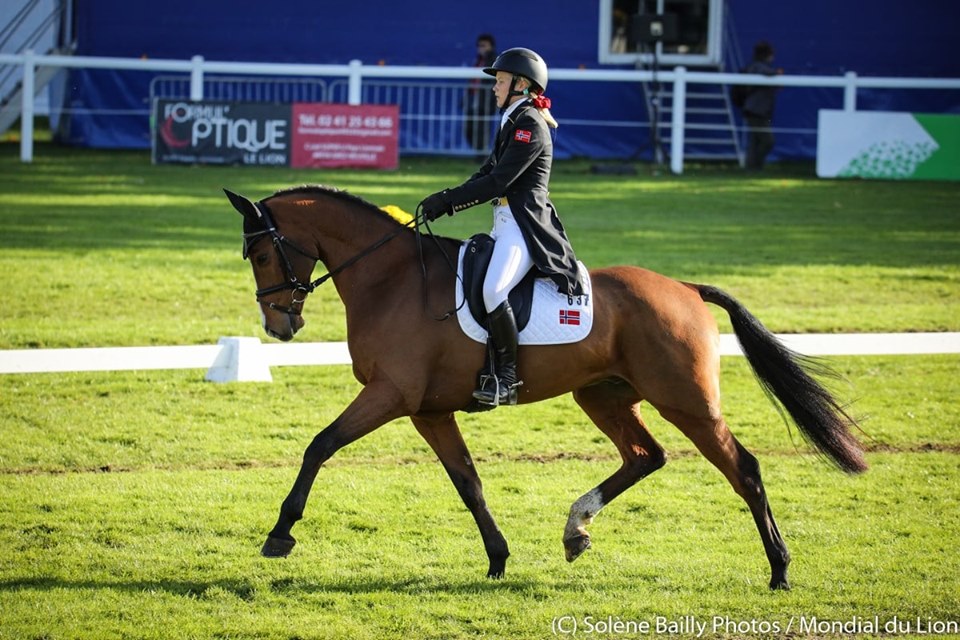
(291, 281)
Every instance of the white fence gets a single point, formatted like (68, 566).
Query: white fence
(231, 359)
(247, 359)
(356, 74)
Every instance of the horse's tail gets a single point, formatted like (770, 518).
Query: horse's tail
(786, 378)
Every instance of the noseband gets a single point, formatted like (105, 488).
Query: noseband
(280, 242)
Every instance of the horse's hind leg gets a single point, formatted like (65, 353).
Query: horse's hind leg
(615, 408)
(443, 435)
(719, 446)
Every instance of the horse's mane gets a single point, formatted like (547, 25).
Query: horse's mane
(338, 194)
(346, 196)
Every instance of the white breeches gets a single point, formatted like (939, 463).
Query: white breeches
(511, 259)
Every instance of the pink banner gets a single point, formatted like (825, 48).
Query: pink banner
(341, 135)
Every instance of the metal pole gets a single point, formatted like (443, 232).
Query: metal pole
(677, 121)
(26, 109)
(850, 91)
(196, 78)
(354, 95)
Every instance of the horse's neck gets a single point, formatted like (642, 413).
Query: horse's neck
(344, 232)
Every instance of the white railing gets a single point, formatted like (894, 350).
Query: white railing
(355, 73)
(246, 359)
(232, 359)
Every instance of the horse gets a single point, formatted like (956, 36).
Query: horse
(653, 340)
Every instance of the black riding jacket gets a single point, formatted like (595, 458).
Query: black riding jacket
(519, 169)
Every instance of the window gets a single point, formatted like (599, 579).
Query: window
(698, 32)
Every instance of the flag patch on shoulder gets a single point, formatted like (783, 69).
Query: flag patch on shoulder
(522, 135)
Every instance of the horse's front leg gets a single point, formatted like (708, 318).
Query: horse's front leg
(443, 435)
(377, 404)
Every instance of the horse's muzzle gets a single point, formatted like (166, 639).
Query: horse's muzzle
(282, 326)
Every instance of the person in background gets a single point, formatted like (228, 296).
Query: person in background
(758, 107)
(526, 228)
(481, 104)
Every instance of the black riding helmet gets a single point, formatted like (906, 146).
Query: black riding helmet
(521, 62)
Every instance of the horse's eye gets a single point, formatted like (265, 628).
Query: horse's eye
(262, 259)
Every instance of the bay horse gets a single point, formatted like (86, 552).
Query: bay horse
(653, 339)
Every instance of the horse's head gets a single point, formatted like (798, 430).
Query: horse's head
(281, 267)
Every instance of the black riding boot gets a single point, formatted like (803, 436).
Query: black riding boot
(501, 388)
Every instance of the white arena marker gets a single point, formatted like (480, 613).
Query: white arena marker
(857, 344)
(107, 359)
(241, 359)
(246, 358)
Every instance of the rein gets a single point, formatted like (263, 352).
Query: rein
(423, 265)
(292, 282)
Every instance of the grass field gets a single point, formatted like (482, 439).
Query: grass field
(125, 253)
(133, 505)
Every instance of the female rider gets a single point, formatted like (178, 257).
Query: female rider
(526, 228)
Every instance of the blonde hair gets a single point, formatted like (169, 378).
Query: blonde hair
(548, 117)
(534, 92)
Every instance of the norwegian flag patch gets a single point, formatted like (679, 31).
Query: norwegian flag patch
(522, 135)
(570, 317)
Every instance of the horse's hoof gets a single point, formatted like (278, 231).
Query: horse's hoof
(277, 547)
(575, 547)
(779, 584)
(497, 569)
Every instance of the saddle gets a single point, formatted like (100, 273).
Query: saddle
(544, 315)
(476, 261)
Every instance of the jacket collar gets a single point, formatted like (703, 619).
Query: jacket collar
(511, 113)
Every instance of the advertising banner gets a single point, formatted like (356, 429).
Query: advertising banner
(888, 145)
(340, 135)
(245, 133)
(300, 135)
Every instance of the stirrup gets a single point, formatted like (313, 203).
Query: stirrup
(492, 394)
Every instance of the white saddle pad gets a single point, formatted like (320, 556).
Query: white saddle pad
(555, 318)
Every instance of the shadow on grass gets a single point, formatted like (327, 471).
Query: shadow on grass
(246, 590)
(85, 200)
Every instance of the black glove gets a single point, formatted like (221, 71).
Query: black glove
(435, 205)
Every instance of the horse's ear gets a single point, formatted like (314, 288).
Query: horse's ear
(242, 204)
